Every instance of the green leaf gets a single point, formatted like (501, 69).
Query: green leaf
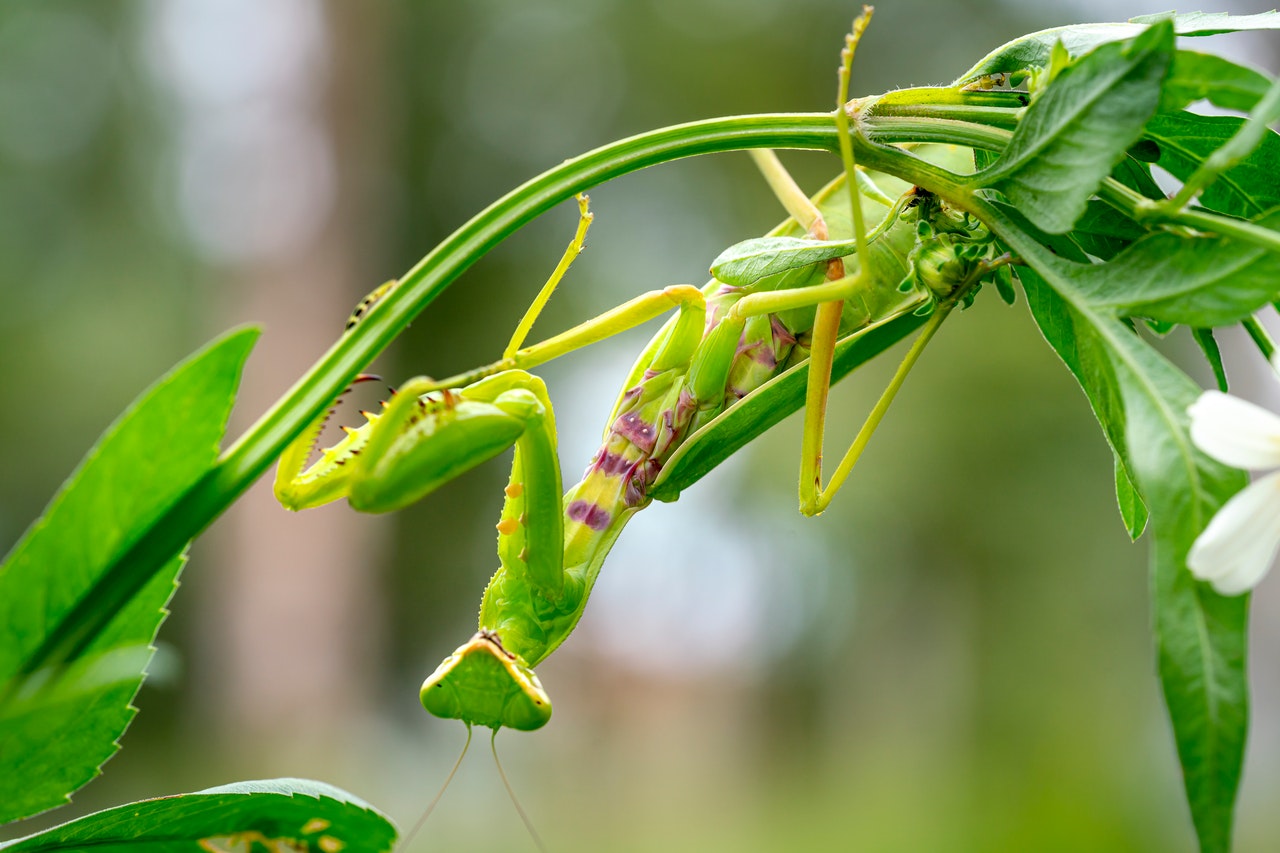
(1132, 509)
(1075, 133)
(1235, 150)
(57, 727)
(751, 260)
(1209, 346)
(1204, 76)
(1136, 175)
(1213, 23)
(276, 814)
(1198, 281)
(1186, 140)
(1141, 401)
(1033, 50)
(1104, 231)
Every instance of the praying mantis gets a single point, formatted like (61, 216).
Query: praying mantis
(773, 304)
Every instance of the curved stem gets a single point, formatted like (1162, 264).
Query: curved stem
(254, 451)
(439, 268)
(1261, 338)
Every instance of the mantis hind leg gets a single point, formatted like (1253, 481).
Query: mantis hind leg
(830, 298)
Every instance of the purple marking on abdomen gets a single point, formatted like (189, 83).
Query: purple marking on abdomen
(611, 464)
(636, 430)
(585, 512)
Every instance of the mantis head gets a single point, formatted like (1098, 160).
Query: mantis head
(485, 685)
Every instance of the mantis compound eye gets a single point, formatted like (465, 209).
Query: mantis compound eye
(485, 685)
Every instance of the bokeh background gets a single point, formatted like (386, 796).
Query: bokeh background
(955, 657)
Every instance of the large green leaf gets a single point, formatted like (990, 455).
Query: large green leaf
(1198, 281)
(1141, 401)
(1033, 50)
(58, 725)
(1186, 140)
(276, 814)
(1213, 23)
(1080, 127)
(1104, 231)
(1221, 82)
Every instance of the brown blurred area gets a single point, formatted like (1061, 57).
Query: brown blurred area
(955, 657)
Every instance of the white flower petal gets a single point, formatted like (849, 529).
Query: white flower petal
(1237, 548)
(1235, 431)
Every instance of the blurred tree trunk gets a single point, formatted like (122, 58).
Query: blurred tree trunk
(290, 647)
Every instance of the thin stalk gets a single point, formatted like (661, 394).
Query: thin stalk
(893, 129)
(1261, 339)
(1001, 117)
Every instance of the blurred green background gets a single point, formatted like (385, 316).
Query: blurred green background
(955, 657)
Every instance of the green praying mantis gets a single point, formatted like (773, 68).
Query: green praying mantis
(773, 303)
(1043, 154)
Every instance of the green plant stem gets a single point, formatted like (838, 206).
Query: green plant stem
(254, 451)
(948, 131)
(1261, 338)
(1144, 210)
(1001, 117)
(921, 128)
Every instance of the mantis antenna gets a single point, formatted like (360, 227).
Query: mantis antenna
(426, 813)
(528, 824)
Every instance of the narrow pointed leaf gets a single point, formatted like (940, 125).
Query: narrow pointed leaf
(1132, 509)
(57, 726)
(1209, 346)
(1076, 132)
(276, 814)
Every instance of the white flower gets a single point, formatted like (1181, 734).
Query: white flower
(1237, 548)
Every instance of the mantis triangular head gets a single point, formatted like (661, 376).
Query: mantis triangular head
(485, 685)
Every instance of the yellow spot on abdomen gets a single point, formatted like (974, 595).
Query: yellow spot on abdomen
(514, 490)
(507, 526)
